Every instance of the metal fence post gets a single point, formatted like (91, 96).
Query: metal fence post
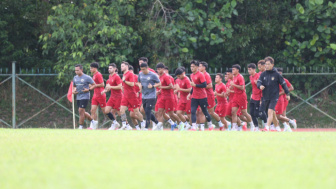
(13, 96)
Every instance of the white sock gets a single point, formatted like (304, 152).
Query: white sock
(251, 124)
(220, 123)
(267, 127)
(81, 125)
(171, 122)
(124, 123)
(202, 125)
(285, 125)
(194, 125)
(115, 121)
(278, 128)
(210, 124)
(291, 121)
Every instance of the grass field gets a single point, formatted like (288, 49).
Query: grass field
(46, 158)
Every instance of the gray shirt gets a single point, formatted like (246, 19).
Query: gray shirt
(80, 83)
(145, 79)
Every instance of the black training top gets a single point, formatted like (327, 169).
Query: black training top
(271, 79)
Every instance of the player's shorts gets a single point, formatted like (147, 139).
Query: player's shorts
(211, 102)
(280, 107)
(221, 109)
(131, 103)
(101, 101)
(186, 107)
(114, 102)
(268, 104)
(229, 110)
(240, 102)
(82, 103)
(167, 104)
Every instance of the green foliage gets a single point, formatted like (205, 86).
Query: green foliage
(311, 35)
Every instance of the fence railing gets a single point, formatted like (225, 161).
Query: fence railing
(326, 72)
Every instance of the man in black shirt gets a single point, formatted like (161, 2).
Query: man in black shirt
(269, 82)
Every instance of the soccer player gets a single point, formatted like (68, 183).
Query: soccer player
(281, 106)
(145, 60)
(220, 93)
(269, 84)
(81, 88)
(239, 98)
(255, 97)
(148, 82)
(166, 103)
(197, 94)
(210, 94)
(113, 84)
(230, 94)
(99, 98)
(183, 88)
(129, 99)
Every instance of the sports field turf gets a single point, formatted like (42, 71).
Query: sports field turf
(46, 158)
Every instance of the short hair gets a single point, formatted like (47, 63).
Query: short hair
(160, 65)
(262, 62)
(166, 68)
(229, 70)
(126, 64)
(204, 64)
(252, 65)
(195, 62)
(113, 65)
(130, 68)
(144, 65)
(179, 71)
(236, 66)
(143, 59)
(279, 69)
(183, 68)
(94, 65)
(79, 65)
(220, 75)
(270, 59)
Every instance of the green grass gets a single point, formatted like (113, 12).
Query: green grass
(46, 158)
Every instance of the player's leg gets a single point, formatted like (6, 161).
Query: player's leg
(193, 107)
(204, 107)
(215, 116)
(234, 111)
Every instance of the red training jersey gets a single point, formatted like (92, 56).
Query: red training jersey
(220, 88)
(115, 80)
(209, 92)
(129, 91)
(238, 80)
(165, 81)
(184, 84)
(256, 93)
(198, 78)
(228, 85)
(137, 89)
(98, 79)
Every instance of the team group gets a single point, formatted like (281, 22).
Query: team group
(185, 103)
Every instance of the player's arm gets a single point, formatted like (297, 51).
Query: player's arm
(260, 83)
(156, 85)
(209, 86)
(118, 87)
(74, 90)
(291, 88)
(240, 87)
(170, 86)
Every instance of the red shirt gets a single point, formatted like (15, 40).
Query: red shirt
(228, 85)
(209, 92)
(137, 89)
(98, 79)
(198, 78)
(220, 88)
(238, 80)
(173, 83)
(256, 93)
(165, 81)
(115, 80)
(129, 91)
(288, 85)
(184, 84)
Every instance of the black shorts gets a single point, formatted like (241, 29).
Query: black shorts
(148, 103)
(82, 103)
(268, 104)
